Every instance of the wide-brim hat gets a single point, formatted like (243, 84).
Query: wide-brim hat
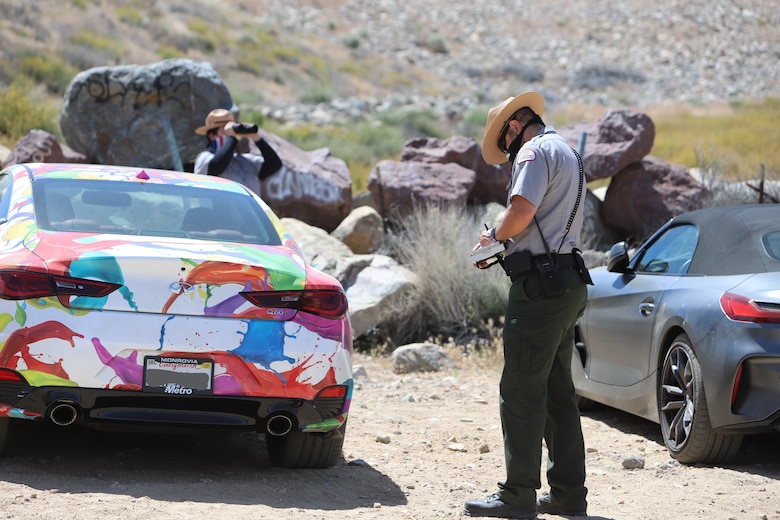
(216, 118)
(499, 115)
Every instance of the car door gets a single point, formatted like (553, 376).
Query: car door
(622, 308)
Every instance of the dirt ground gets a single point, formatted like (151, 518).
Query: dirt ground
(417, 447)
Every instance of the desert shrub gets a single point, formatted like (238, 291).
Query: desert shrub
(203, 36)
(131, 16)
(53, 73)
(108, 47)
(352, 40)
(595, 77)
(414, 122)
(22, 109)
(317, 94)
(522, 72)
(726, 189)
(451, 298)
(436, 44)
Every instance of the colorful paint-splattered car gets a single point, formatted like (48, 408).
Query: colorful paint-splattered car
(139, 297)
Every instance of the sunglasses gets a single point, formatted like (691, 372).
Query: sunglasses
(502, 137)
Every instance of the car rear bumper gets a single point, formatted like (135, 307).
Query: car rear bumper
(101, 408)
(755, 407)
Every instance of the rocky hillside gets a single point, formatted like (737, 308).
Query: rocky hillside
(450, 54)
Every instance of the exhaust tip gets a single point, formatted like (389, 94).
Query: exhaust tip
(278, 425)
(63, 414)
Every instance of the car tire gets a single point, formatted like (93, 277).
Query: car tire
(299, 450)
(5, 427)
(683, 412)
(584, 404)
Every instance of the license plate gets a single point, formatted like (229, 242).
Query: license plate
(178, 376)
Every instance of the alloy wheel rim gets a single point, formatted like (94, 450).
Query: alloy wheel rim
(677, 398)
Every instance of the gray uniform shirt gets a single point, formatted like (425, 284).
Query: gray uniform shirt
(546, 173)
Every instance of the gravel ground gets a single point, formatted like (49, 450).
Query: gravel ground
(417, 447)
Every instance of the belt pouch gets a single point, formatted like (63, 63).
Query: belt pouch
(584, 273)
(552, 283)
(517, 264)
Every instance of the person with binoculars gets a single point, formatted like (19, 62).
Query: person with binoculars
(222, 158)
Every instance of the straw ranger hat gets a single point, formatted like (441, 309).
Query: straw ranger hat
(216, 118)
(499, 115)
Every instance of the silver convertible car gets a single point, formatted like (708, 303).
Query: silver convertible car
(686, 331)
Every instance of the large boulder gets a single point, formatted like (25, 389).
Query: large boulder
(619, 138)
(399, 188)
(362, 230)
(373, 283)
(141, 115)
(646, 194)
(314, 187)
(323, 251)
(491, 180)
(373, 293)
(595, 235)
(39, 146)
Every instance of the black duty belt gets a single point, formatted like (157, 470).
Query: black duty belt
(524, 262)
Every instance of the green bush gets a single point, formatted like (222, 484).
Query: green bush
(53, 73)
(110, 47)
(415, 123)
(317, 94)
(21, 111)
(352, 40)
(131, 16)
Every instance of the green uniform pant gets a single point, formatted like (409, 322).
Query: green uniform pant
(537, 394)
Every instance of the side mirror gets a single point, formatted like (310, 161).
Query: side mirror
(618, 258)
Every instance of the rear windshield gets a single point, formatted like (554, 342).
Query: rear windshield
(150, 209)
(772, 244)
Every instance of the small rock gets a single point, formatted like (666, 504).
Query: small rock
(633, 462)
(359, 372)
(383, 438)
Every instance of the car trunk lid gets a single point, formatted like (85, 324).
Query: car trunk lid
(174, 276)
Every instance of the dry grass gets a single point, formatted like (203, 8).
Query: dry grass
(452, 302)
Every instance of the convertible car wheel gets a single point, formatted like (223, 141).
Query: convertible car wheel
(584, 404)
(682, 405)
(298, 450)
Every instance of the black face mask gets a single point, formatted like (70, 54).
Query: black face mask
(517, 143)
(514, 147)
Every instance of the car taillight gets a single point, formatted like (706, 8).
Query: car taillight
(23, 285)
(6, 374)
(740, 308)
(333, 391)
(328, 303)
